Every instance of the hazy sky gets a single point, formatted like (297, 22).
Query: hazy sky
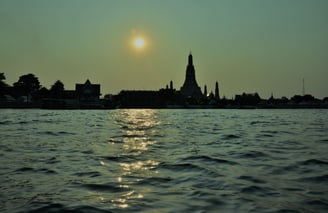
(248, 46)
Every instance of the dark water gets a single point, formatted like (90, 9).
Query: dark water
(164, 161)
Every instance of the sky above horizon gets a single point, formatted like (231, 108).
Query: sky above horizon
(247, 46)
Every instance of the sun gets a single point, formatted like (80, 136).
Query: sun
(139, 43)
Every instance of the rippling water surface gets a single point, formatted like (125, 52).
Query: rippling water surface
(164, 161)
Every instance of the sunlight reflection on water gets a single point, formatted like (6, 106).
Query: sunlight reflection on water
(163, 160)
(135, 125)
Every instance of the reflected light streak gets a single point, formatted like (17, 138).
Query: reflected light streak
(139, 166)
(120, 202)
(138, 127)
(137, 122)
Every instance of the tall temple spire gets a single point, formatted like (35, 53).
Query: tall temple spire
(190, 63)
(190, 87)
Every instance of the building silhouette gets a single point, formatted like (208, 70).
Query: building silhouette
(88, 95)
(85, 96)
(87, 91)
(190, 87)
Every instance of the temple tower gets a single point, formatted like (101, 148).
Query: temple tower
(217, 94)
(190, 87)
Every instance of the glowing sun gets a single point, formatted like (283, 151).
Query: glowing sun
(139, 43)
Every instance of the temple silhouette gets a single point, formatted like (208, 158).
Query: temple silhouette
(190, 87)
(27, 93)
(189, 95)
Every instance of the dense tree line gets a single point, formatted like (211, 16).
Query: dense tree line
(29, 87)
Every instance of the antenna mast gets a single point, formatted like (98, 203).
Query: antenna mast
(303, 87)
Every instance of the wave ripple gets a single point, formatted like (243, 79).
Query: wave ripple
(144, 160)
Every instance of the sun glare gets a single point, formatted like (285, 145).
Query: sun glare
(139, 43)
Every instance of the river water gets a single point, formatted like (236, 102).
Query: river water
(149, 160)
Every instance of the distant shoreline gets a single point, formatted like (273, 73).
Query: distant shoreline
(168, 107)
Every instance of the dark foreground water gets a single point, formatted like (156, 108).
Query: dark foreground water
(164, 161)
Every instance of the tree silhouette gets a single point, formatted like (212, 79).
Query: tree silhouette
(248, 99)
(3, 85)
(42, 93)
(57, 90)
(2, 78)
(27, 85)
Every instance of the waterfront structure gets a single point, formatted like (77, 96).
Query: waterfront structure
(190, 87)
(148, 99)
(88, 95)
(87, 91)
(85, 96)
